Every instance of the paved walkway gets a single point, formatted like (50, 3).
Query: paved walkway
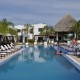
(76, 58)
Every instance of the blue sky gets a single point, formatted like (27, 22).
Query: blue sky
(38, 11)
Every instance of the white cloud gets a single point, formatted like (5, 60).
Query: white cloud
(50, 11)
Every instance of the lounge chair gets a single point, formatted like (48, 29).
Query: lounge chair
(2, 55)
(8, 48)
(4, 50)
(15, 48)
(11, 44)
(12, 47)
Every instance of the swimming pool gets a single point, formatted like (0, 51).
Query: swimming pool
(38, 63)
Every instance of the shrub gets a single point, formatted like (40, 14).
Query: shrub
(31, 40)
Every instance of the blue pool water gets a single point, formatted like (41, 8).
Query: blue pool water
(38, 63)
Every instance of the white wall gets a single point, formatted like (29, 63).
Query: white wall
(19, 27)
(30, 36)
(36, 27)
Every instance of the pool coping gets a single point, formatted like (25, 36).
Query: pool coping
(10, 56)
(73, 61)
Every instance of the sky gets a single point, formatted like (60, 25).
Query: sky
(38, 11)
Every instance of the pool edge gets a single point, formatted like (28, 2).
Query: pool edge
(10, 57)
(73, 61)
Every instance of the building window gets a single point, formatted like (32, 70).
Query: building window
(18, 30)
(31, 30)
(39, 29)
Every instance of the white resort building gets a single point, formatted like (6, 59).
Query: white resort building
(35, 35)
(37, 29)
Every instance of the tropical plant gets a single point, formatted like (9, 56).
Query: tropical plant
(13, 32)
(4, 26)
(28, 29)
(47, 31)
(7, 27)
(76, 28)
(51, 31)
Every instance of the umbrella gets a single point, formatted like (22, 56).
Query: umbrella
(70, 35)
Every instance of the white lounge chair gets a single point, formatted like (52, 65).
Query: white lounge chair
(11, 46)
(2, 55)
(4, 50)
(8, 48)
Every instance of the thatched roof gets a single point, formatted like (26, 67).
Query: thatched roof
(64, 24)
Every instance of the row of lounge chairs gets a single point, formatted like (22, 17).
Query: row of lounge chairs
(8, 49)
(74, 49)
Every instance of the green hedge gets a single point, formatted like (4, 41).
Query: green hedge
(31, 40)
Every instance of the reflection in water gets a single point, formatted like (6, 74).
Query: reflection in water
(37, 57)
(45, 46)
(42, 54)
(27, 54)
(38, 54)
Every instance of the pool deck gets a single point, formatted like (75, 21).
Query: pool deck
(73, 59)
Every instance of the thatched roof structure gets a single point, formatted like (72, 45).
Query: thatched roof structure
(64, 24)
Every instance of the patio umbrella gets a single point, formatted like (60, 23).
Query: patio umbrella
(70, 35)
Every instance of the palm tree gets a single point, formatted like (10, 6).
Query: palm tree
(47, 31)
(76, 28)
(28, 29)
(4, 27)
(51, 31)
(44, 31)
(13, 32)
